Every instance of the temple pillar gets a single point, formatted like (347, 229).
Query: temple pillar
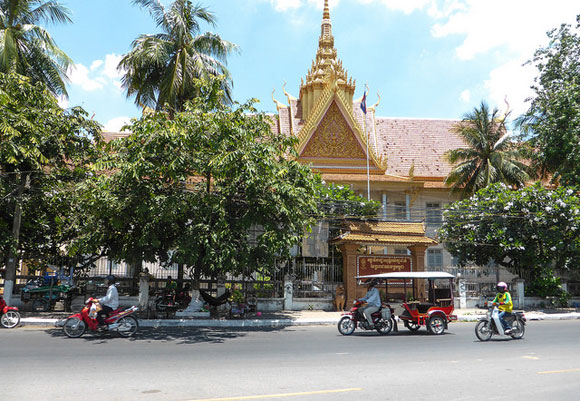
(349, 252)
(418, 265)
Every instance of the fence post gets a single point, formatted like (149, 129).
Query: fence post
(288, 292)
(462, 284)
(520, 288)
(144, 290)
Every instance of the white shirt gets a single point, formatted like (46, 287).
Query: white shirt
(111, 299)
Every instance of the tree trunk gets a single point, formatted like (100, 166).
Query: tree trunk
(12, 260)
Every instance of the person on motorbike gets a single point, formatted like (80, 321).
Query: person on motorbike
(504, 300)
(109, 302)
(373, 300)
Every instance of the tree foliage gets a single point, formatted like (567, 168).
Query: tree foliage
(211, 188)
(27, 48)
(530, 231)
(43, 152)
(552, 122)
(490, 156)
(160, 70)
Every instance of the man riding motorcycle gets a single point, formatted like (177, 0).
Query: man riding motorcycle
(109, 302)
(373, 300)
(504, 300)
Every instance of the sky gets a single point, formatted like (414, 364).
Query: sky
(425, 58)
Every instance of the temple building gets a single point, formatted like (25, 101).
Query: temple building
(396, 161)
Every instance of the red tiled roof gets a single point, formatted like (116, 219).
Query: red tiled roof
(416, 142)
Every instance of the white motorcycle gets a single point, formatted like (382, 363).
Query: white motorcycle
(491, 325)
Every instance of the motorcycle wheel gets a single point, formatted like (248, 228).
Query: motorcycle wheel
(483, 330)
(413, 326)
(41, 305)
(74, 327)
(10, 319)
(518, 329)
(383, 326)
(346, 326)
(128, 326)
(436, 325)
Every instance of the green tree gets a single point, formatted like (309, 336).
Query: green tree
(490, 156)
(210, 188)
(43, 151)
(28, 49)
(340, 201)
(529, 231)
(552, 122)
(160, 70)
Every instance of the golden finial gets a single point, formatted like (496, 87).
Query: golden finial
(326, 13)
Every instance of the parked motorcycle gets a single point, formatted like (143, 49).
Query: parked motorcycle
(9, 315)
(383, 320)
(491, 325)
(119, 320)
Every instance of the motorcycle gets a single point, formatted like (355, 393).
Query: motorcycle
(9, 315)
(491, 325)
(383, 320)
(119, 320)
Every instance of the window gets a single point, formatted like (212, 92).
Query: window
(433, 213)
(434, 258)
(401, 251)
(400, 210)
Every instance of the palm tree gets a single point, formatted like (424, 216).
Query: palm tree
(28, 49)
(490, 156)
(161, 69)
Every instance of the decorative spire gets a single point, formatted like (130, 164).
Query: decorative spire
(326, 13)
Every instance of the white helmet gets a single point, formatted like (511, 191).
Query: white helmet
(501, 286)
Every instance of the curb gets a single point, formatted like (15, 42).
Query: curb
(245, 323)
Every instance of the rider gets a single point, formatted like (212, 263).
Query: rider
(373, 300)
(109, 302)
(504, 300)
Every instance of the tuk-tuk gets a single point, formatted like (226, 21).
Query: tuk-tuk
(434, 311)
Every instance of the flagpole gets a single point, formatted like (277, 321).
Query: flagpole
(367, 140)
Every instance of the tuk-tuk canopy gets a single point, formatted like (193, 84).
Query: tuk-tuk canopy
(409, 275)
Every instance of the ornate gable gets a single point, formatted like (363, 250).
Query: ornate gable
(333, 138)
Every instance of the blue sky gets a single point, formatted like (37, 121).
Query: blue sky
(426, 58)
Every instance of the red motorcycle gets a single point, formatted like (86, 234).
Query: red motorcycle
(9, 315)
(119, 320)
(383, 320)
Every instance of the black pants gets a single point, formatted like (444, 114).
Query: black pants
(101, 314)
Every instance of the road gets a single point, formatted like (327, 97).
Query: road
(293, 363)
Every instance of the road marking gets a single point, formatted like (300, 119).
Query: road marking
(343, 353)
(549, 372)
(530, 357)
(257, 397)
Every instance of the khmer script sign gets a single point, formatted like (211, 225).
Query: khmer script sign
(376, 264)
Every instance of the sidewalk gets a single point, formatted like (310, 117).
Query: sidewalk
(278, 319)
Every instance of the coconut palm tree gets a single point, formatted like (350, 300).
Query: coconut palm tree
(28, 49)
(160, 69)
(490, 155)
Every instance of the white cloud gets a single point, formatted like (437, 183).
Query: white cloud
(511, 81)
(465, 96)
(519, 26)
(101, 75)
(63, 102)
(285, 5)
(406, 6)
(115, 124)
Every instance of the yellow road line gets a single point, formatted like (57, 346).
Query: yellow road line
(257, 397)
(530, 357)
(549, 372)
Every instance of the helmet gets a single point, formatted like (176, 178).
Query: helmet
(501, 286)
(373, 282)
(110, 278)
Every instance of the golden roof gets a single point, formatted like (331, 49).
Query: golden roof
(385, 232)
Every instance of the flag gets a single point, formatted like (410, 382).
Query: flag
(363, 104)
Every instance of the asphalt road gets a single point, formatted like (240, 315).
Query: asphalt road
(294, 363)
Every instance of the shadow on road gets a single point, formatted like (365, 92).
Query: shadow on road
(179, 335)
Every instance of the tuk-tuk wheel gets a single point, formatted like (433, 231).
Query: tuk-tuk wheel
(411, 325)
(436, 325)
(41, 305)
